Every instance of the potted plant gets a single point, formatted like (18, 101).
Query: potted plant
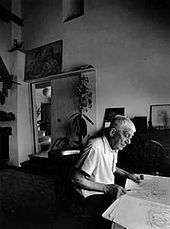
(80, 118)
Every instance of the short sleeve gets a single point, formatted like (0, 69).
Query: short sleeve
(88, 160)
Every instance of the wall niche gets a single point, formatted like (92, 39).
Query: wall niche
(72, 9)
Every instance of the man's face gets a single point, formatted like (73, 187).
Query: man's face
(121, 138)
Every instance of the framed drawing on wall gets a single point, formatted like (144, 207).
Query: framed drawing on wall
(44, 61)
(110, 113)
(160, 116)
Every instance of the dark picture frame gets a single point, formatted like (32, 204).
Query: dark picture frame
(110, 113)
(160, 116)
(44, 61)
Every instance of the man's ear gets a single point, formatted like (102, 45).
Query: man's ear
(112, 132)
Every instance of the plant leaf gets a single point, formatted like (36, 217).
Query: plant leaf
(79, 126)
(75, 114)
(76, 125)
(88, 119)
(83, 127)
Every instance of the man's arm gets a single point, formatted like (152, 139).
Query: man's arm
(81, 180)
(128, 175)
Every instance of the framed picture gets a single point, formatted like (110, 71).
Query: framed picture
(110, 113)
(160, 116)
(44, 61)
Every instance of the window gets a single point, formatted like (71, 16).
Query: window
(72, 9)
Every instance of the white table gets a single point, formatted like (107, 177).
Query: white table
(146, 206)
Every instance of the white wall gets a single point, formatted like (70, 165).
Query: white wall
(17, 102)
(64, 103)
(128, 45)
(24, 116)
(10, 102)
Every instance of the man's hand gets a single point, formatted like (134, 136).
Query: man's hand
(114, 190)
(135, 178)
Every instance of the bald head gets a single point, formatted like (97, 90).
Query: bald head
(120, 132)
(121, 122)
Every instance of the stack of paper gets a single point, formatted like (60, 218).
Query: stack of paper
(146, 206)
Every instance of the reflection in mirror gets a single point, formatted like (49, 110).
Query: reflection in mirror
(73, 104)
(61, 108)
(43, 116)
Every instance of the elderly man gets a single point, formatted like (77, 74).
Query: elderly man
(94, 174)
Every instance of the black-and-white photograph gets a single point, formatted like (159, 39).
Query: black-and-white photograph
(84, 114)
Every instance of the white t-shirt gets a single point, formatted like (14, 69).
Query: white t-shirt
(99, 162)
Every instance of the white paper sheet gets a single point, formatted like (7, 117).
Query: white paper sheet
(147, 206)
(152, 188)
(134, 213)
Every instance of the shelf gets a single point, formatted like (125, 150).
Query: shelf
(60, 75)
(69, 152)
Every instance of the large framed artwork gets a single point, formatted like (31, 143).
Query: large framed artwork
(44, 61)
(160, 116)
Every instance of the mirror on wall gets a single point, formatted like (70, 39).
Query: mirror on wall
(56, 108)
(42, 116)
(73, 108)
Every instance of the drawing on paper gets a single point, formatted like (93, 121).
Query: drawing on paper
(143, 215)
(156, 219)
(150, 191)
(113, 211)
(152, 188)
(157, 216)
(149, 204)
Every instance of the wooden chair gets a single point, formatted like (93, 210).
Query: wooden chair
(144, 156)
(151, 158)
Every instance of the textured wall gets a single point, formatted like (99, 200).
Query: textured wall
(127, 42)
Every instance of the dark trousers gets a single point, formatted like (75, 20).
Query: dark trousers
(96, 205)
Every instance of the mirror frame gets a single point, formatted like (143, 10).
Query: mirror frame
(33, 99)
